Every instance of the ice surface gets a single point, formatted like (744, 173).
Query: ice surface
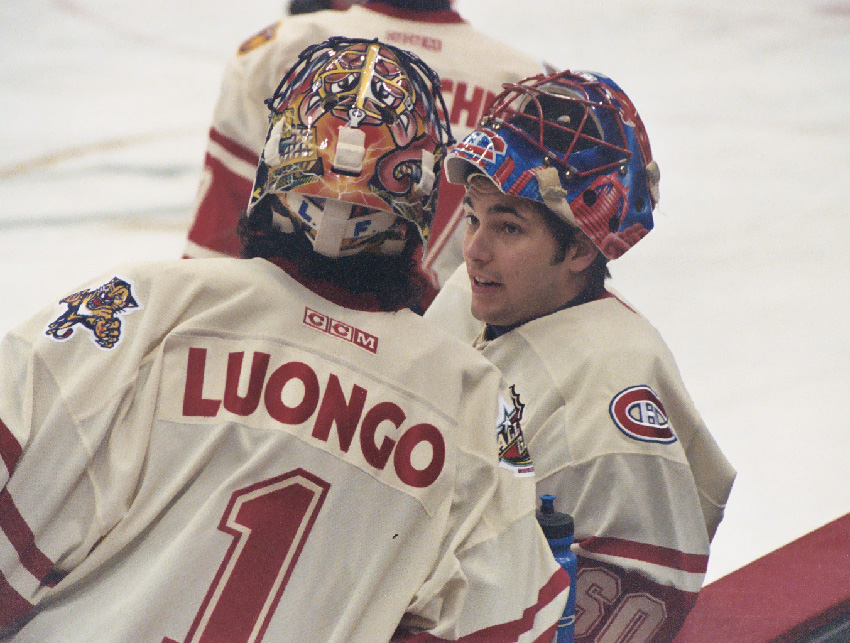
(103, 112)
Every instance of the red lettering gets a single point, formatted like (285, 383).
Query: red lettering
(292, 395)
(248, 404)
(472, 106)
(341, 329)
(194, 403)
(367, 341)
(487, 102)
(314, 319)
(415, 435)
(378, 456)
(335, 409)
(274, 393)
(446, 87)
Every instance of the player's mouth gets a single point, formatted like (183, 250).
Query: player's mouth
(483, 284)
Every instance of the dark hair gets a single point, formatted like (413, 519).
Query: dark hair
(393, 279)
(564, 233)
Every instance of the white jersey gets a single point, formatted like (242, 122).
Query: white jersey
(615, 437)
(472, 68)
(210, 451)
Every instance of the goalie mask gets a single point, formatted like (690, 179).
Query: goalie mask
(354, 147)
(575, 143)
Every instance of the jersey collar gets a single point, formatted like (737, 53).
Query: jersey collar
(492, 331)
(355, 301)
(415, 15)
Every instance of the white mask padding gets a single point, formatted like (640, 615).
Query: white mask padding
(350, 151)
(553, 194)
(426, 181)
(653, 173)
(333, 226)
(271, 151)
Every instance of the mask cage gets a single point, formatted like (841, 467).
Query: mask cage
(425, 80)
(571, 119)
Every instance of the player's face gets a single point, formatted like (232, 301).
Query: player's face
(509, 252)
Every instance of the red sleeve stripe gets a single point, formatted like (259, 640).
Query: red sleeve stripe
(654, 554)
(508, 632)
(23, 540)
(12, 605)
(10, 448)
(234, 148)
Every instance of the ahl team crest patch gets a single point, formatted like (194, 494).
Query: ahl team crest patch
(513, 453)
(97, 311)
(639, 414)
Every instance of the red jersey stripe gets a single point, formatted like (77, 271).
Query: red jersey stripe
(506, 632)
(233, 147)
(12, 605)
(23, 540)
(10, 448)
(654, 554)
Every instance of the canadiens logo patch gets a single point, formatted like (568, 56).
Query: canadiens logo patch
(97, 311)
(481, 145)
(513, 453)
(639, 414)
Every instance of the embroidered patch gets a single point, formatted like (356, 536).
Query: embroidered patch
(97, 311)
(513, 453)
(639, 414)
(259, 39)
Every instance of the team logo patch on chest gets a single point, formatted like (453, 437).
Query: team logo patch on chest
(96, 310)
(513, 453)
(639, 414)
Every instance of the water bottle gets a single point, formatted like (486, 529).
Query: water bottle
(558, 529)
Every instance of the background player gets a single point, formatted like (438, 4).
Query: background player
(560, 179)
(274, 449)
(471, 66)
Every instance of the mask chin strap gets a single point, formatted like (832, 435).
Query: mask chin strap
(330, 232)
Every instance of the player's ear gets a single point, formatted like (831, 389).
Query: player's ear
(581, 253)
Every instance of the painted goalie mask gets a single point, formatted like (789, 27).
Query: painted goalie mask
(575, 143)
(354, 147)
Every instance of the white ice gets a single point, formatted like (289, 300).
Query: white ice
(104, 106)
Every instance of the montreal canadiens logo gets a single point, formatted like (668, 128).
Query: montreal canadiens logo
(639, 414)
(481, 146)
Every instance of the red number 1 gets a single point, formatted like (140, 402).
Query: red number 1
(270, 522)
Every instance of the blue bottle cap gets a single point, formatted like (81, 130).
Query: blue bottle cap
(555, 524)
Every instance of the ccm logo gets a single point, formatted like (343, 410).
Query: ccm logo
(349, 333)
(639, 414)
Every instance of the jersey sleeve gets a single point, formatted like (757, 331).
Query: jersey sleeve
(642, 556)
(59, 452)
(497, 580)
(236, 136)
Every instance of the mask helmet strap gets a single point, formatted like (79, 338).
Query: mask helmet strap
(330, 232)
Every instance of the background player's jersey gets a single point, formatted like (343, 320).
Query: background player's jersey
(471, 66)
(615, 437)
(209, 451)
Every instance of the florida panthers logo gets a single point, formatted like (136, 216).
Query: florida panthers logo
(513, 453)
(97, 311)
